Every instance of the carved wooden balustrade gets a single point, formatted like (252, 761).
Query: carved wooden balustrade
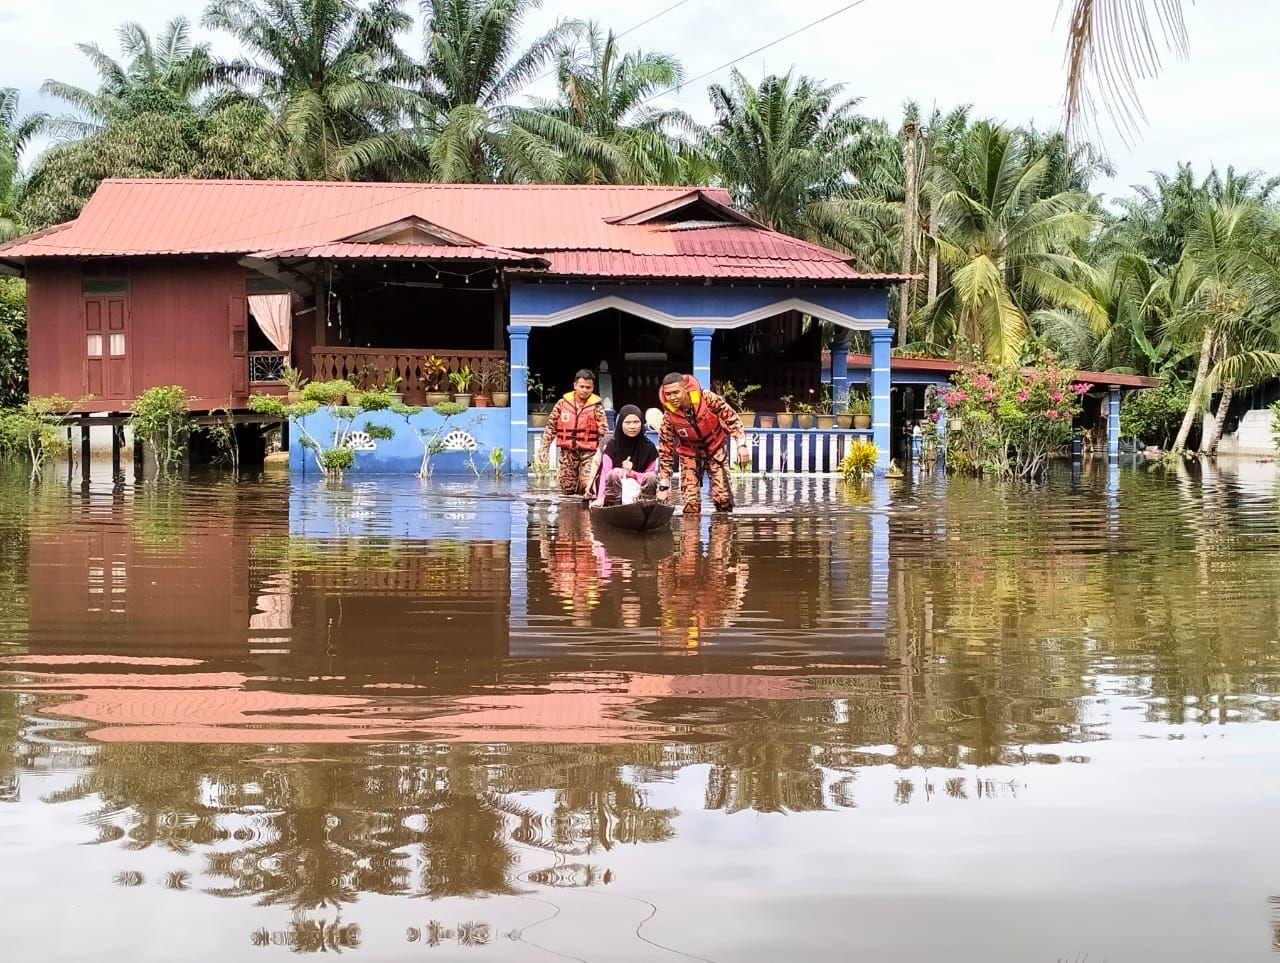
(368, 367)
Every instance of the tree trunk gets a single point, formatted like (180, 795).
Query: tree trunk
(1210, 446)
(933, 254)
(910, 206)
(1202, 372)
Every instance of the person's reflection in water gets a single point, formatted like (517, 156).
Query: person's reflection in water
(699, 591)
(577, 565)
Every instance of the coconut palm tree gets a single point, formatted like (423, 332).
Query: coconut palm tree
(599, 130)
(15, 132)
(325, 70)
(1006, 242)
(164, 74)
(473, 67)
(785, 149)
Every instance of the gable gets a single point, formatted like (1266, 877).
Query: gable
(410, 230)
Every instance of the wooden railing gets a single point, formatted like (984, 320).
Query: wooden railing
(368, 367)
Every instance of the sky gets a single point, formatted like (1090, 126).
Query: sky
(1003, 56)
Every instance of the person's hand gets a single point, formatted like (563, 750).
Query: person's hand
(664, 492)
(627, 464)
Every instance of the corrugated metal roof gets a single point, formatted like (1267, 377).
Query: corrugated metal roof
(569, 224)
(350, 251)
(1096, 379)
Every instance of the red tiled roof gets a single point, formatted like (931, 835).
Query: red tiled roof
(577, 228)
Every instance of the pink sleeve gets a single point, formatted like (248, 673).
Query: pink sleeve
(606, 465)
(653, 467)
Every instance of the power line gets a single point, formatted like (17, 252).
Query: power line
(619, 36)
(752, 53)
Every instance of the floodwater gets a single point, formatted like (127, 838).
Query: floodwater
(922, 719)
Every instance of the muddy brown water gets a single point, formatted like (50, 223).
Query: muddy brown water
(924, 719)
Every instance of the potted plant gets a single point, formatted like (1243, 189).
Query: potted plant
(294, 381)
(737, 398)
(785, 416)
(826, 419)
(461, 381)
(804, 415)
(391, 383)
(539, 407)
(860, 408)
(500, 385)
(482, 397)
(764, 420)
(434, 372)
(844, 417)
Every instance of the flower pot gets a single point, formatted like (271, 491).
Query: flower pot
(785, 419)
(538, 419)
(502, 399)
(397, 397)
(826, 421)
(293, 396)
(862, 421)
(764, 421)
(844, 421)
(804, 421)
(434, 398)
(464, 400)
(748, 418)
(483, 401)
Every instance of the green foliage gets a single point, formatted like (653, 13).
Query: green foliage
(859, 403)
(328, 392)
(374, 400)
(496, 458)
(161, 419)
(293, 379)
(333, 454)
(736, 396)
(1275, 424)
(1008, 420)
(859, 460)
(461, 379)
(334, 461)
(271, 405)
(13, 341)
(1153, 415)
(379, 432)
(35, 430)
(449, 409)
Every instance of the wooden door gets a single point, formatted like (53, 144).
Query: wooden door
(107, 347)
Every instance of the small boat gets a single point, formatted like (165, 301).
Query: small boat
(636, 517)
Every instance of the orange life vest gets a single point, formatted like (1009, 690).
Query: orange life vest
(699, 432)
(578, 428)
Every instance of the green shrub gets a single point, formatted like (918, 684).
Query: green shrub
(1154, 415)
(860, 460)
(335, 461)
(35, 430)
(161, 419)
(327, 392)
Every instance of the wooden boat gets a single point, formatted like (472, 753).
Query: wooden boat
(636, 517)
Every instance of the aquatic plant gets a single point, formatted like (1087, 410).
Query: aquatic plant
(496, 458)
(1008, 420)
(161, 420)
(334, 453)
(859, 460)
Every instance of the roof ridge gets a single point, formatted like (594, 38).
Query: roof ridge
(407, 185)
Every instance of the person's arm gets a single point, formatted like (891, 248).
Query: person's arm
(666, 451)
(606, 466)
(602, 424)
(732, 424)
(549, 433)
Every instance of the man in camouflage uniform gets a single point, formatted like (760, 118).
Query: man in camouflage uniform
(576, 425)
(696, 428)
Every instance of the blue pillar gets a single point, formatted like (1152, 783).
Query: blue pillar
(881, 342)
(519, 396)
(702, 355)
(840, 376)
(1113, 424)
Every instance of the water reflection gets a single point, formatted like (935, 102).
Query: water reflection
(313, 703)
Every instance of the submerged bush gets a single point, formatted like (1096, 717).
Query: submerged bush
(860, 460)
(1008, 420)
(161, 419)
(335, 454)
(35, 430)
(1154, 415)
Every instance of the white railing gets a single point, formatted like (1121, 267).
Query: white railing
(777, 451)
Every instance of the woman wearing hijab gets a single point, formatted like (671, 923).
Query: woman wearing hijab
(628, 455)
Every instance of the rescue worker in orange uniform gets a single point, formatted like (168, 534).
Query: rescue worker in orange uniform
(576, 425)
(696, 428)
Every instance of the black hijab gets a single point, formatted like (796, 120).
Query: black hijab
(621, 446)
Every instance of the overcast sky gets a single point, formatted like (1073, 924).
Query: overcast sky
(1002, 56)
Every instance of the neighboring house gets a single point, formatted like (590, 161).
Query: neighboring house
(216, 285)
(1250, 424)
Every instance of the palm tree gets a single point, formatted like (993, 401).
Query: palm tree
(166, 74)
(325, 70)
(1222, 297)
(785, 149)
(599, 130)
(472, 68)
(1006, 242)
(15, 132)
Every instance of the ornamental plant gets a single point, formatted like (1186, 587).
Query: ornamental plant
(161, 420)
(35, 430)
(1008, 420)
(859, 460)
(432, 438)
(336, 452)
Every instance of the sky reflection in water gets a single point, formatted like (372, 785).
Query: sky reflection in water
(927, 719)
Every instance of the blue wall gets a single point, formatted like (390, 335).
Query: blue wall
(491, 427)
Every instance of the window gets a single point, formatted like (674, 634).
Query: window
(117, 344)
(94, 346)
(105, 286)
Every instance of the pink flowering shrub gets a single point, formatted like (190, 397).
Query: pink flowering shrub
(1011, 419)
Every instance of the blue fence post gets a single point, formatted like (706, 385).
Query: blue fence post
(840, 376)
(519, 396)
(1113, 424)
(702, 355)
(881, 343)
